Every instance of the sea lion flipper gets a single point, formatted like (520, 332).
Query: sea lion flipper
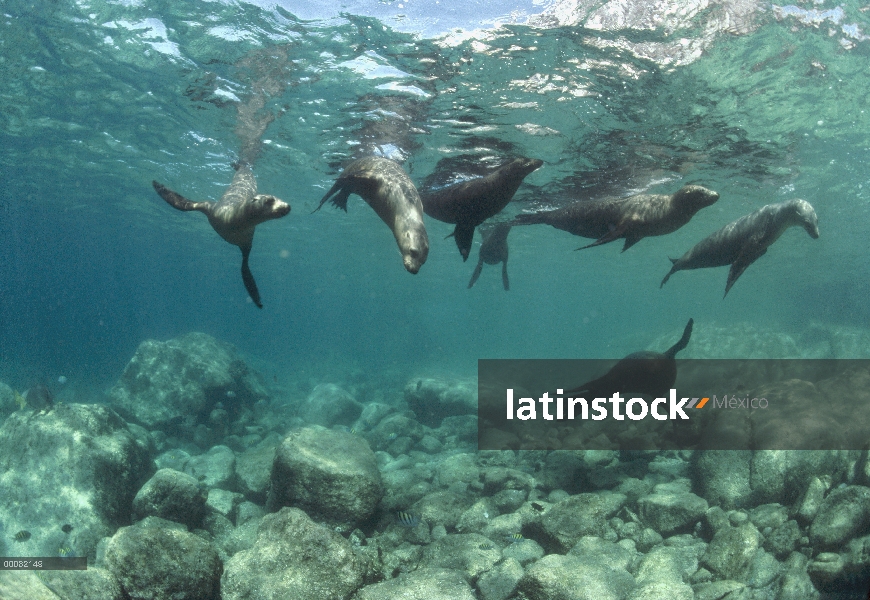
(747, 256)
(504, 277)
(464, 234)
(340, 192)
(673, 270)
(248, 278)
(630, 241)
(684, 340)
(176, 200)
(476, 273)
(614, 234)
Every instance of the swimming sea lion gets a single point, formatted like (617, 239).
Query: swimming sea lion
(493, 251)
(387, 189)
(746, 240)
(470, 203)
(645, 372)
(235, 215)
(632, 218)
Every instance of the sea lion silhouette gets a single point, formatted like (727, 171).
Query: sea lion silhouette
(632, 218)
(494, 250)
(235, 215)
(644, 372)
(745, 240)
(470, 203)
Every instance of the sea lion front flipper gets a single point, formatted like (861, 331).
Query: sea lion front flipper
(504, 277)
(476, 273)
(630, 241)
(748, 255)
(178, 201)
(614, 234)
(464, 235)
(248, 278)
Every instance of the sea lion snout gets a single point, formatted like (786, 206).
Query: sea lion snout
(415, 250)
(807, 217)
(696, 196)
(527, 165)
(271, 206)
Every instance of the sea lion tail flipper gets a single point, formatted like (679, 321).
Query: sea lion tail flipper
(464, 234)
(673, 270)
(630, 241)
(476, 273)
(248, 278)
(178, 201)
(504, 277)
(341, 192)
(684, 340)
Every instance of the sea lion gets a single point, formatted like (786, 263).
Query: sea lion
(235, 215)
(645, 372)
(391, 193)
(470, 203)
(746, 240)
(493, 251)
(632, 218)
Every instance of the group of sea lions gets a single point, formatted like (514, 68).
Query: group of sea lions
(385, 186)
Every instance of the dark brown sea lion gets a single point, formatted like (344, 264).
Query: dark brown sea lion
(235, 216)
(632, 218)
(645, 372)
(493, 251)
(470, 203)
(744, 241)
(391, 193)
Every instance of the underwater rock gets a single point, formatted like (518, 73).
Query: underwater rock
(422, 584)
(500, 582)
(8, 405)
(293, 557)
(214, 469)
(594, 549)
(669, 513)
(557, 577)
(444, 507)
(331, 475)
(666, 567)
(432, 400)
(783, 540)
(843, 515)
(796, 583)
(224, 502)
(731, 550)
(329, 405)
(172, 496)
(462, 552)
(578, 516)
(254, 471)
(95, 583)
(159, 559)
(75, 463)
(168, 385)
(663, 590)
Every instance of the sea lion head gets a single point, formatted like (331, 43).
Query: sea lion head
(694, 197)
(264, 207)
(805, 216)
(414, 245)
(524, 166)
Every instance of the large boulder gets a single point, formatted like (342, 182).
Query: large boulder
(159, 559)
(331, 475)
(77, 465)
(173, 496)
(182, 380)
(329, 405)
(433, 400)
(293, 557)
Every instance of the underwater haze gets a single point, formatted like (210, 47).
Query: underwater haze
(110, 296)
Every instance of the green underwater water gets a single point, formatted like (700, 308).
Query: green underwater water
(101, 98)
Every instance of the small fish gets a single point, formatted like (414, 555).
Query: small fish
(407, 519)
(22, 536)
(64, 551)
(67, 528)
(514, 537)
(20, 400)
(486, 546)
(62, 380)
(392, 436)
(537, 506)
(231, 394)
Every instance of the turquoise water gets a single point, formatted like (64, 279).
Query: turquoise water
(761, 103)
